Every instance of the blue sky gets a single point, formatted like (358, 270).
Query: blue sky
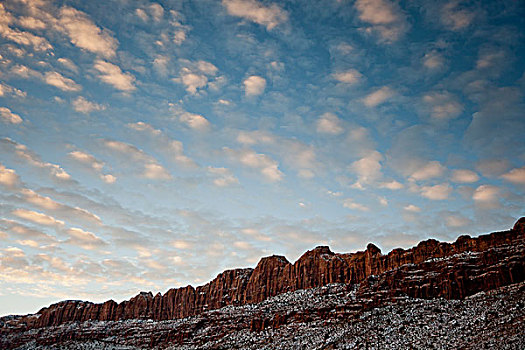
(150, 145)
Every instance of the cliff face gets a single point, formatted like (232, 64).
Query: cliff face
(498, 259)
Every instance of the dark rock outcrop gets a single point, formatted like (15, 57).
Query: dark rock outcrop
(498, 259)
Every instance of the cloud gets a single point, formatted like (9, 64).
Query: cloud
(368, 169)
(350, 204)
(385, 17)
(38, 200)
(350, 76)
(9, 117)
(296, 154)
(66, 62)
(37, 218)
(84, 239)
(33, 159)
(486, 196)
(20, 37)
(173, 148)
(195, 121)
(391, 185)
(516, 176)
(443, 106)
(151, 168)
(268, 167)
(9, 90)
(378, 97)
(223, 177)
(457, 221)
(328, 123)
(196, 75)
(436, 192)
(84, 34)
(464, 176)
(412, 208)
(268, 16)
(433, 60)
(454, 17)
(94, 163)
(59, 81)
(8, 177)
(156, 11)
(155, 171)
(81, 105)
(493, 167)
(254, 85)
(428, 171)
(113, 75)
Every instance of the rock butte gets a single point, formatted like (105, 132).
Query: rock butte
(393, 272)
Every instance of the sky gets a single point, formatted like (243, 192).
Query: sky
(151, 145)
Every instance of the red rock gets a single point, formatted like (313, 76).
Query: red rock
(273, 275)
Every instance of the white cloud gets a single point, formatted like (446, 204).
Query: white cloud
(464, 176)
(31, 23)
(254, 85)
(91, 161)
(378, 97)
(490, 59)
(268, 16)
(428, 171)
(113, 75)
(58, 80)
(350, 76)
(457, 221)
(156, 11)
(196, 75)
(20, 37)
(38, 200)
(436, 192)
(151, 168)
(268, 167)
(8, 177)
(156, 171)
(368, 169)
(443, 106)
(385, 17)
(37, 218)
(193, 81)
(9, 117)
(328, 123)
(6, 89)
(412, 208)
(25, 154)
(350, 204)
(84, 239)
(391, 185)
(516, 176)
(223, 177)
(194, 121)
(433, 60)
(81, 105)
(66, 62)
(174, 148)
(486, 195)
(454, 17)
(85, 34)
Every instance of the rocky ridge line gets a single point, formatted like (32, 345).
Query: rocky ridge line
(318, 267)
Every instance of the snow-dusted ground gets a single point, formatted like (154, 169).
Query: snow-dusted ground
(493, 320)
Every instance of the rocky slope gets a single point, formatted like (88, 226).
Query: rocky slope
(354, 283)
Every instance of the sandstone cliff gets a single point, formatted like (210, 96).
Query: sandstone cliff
(494, 264)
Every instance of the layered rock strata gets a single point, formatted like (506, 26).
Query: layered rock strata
(423, 271)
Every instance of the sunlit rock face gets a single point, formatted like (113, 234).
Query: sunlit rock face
(343, 285)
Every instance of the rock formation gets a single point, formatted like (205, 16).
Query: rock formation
(483, 263)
